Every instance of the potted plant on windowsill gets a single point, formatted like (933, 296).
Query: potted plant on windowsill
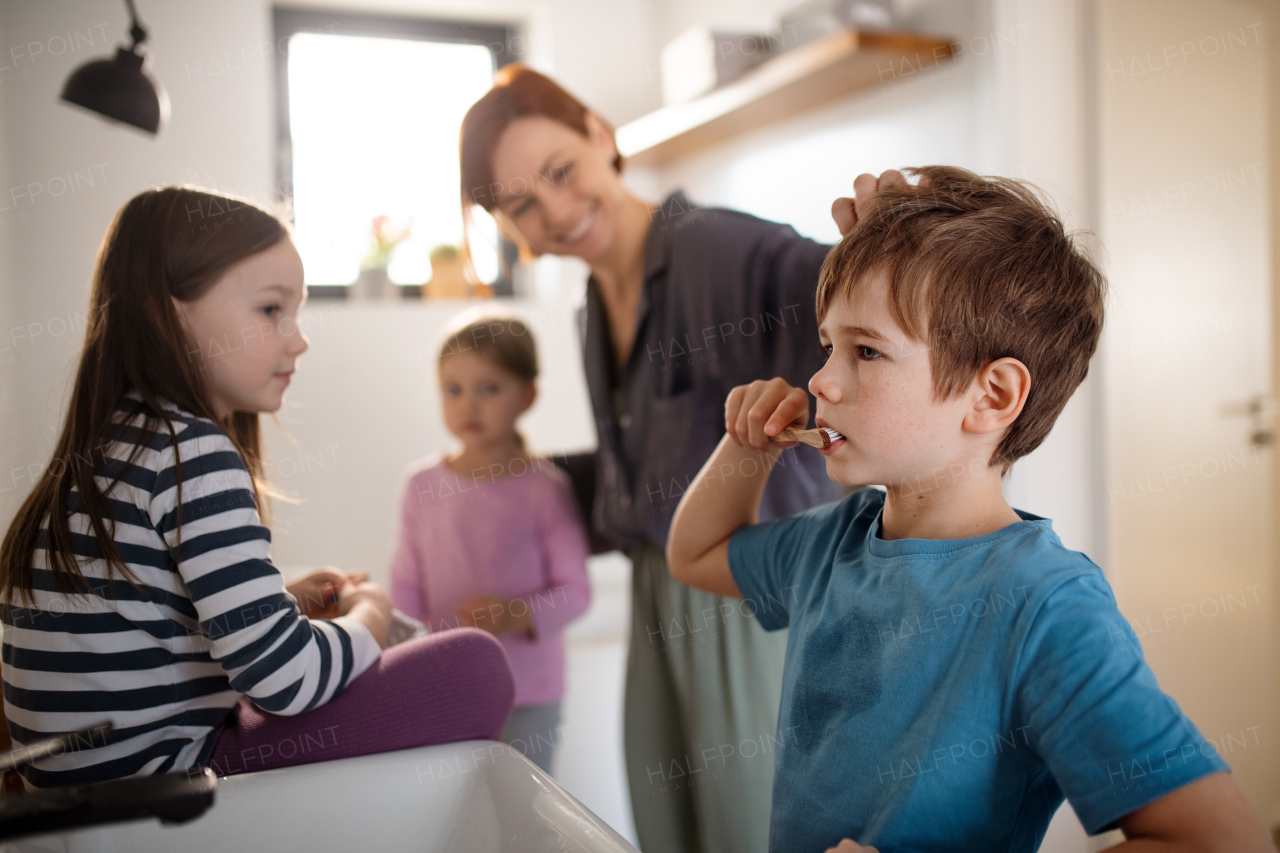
(373, 282)
(449, 279)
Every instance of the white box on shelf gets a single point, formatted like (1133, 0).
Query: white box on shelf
(702, 59)
(817, 18)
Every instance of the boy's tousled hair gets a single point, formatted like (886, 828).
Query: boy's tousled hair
(166, 244)
(979, 268)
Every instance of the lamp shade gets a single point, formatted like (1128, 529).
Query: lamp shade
(119, 89)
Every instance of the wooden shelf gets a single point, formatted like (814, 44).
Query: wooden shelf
(813, 75)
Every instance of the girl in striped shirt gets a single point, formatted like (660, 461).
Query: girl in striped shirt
(136, 586)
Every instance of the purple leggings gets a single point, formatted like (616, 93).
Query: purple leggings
(450, 686)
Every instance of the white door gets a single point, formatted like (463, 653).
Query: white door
(1183, 215)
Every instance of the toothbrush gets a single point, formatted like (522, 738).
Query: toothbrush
(819, 438)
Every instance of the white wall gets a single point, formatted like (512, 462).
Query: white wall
(10, 422)
(791, 172)
(1044, 131)
(220, 134)
(1044, 127)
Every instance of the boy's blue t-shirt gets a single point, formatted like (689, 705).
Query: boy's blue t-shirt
(946, 694)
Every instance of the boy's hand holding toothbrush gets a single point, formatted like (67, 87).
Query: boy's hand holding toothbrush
(755, 414)
(770, 413)
(762, 418)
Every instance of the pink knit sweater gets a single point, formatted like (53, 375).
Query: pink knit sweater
(516, 537)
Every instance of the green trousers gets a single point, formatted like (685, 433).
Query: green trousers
(700, 717)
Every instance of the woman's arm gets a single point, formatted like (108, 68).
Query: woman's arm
(581, 470)
(725, 495)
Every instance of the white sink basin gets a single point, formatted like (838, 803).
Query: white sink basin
(476, 796)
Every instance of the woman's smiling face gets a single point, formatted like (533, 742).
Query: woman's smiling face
(558, 188)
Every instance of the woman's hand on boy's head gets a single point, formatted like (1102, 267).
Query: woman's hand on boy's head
(755, 413)
(847, 211)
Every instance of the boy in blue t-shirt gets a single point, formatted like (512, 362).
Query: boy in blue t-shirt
(952, 669)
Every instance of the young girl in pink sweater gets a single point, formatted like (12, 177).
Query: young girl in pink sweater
(489, 535)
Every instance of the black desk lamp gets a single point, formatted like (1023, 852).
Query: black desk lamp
(121, 88)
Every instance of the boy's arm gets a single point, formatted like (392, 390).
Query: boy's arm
(1208, 815)
(725, 496)
(1098, 718)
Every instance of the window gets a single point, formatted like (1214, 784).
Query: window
(369, 114)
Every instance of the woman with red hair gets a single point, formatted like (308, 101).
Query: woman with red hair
(683, 303)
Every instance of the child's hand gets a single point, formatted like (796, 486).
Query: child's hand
(317, 592)
(847, 211)
(354, 589)
(849, 846)
(754, 413)
(368, 603)
(495, 615)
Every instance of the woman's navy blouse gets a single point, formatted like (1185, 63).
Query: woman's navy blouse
(727, 299)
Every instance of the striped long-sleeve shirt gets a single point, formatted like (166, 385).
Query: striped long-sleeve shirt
(209, 621)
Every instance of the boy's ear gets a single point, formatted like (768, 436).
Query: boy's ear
(1000, 392)
(530, 396)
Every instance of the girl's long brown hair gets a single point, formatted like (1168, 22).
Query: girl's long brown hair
(164, 244)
